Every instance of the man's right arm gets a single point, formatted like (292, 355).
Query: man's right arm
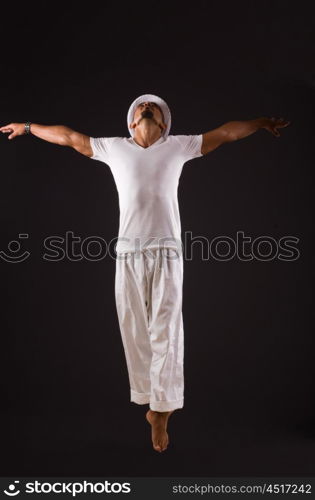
(57, 134)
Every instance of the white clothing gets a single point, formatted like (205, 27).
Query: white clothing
(147, 181)
(149, 264)
(148, 290)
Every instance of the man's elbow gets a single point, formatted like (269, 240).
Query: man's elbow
(229, 136)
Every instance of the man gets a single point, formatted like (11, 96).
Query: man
(149, 267)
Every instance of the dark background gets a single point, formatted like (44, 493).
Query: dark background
(249, 349)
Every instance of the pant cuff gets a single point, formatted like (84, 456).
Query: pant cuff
(166, 405)
(141, 398)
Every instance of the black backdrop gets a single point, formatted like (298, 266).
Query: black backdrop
(249, 349)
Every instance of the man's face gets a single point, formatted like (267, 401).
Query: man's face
(149, 111)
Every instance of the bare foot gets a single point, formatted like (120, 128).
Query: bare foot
(158, 421)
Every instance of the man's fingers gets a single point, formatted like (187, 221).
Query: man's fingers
(273, 130)
(282, 122)
(282, 125)
(285, 124)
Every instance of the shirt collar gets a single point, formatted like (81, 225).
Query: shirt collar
(159, 141)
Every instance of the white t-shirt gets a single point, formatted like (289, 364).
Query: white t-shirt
(147, 180)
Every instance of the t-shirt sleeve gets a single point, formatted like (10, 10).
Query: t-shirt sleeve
(101, 148)
(190, 145)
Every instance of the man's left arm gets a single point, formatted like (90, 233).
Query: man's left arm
(235, 130)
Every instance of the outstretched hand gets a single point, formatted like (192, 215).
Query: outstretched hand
(14, 129)
(272, 124)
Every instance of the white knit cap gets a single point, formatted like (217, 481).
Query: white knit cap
(150, 98)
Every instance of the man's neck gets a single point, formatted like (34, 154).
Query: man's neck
(146, 137)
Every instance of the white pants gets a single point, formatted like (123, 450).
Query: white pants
(148, 292)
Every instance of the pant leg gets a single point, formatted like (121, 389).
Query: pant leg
(166, 329)
(130, 294)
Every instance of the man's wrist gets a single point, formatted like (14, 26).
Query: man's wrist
(262, 122)
(27, 127)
